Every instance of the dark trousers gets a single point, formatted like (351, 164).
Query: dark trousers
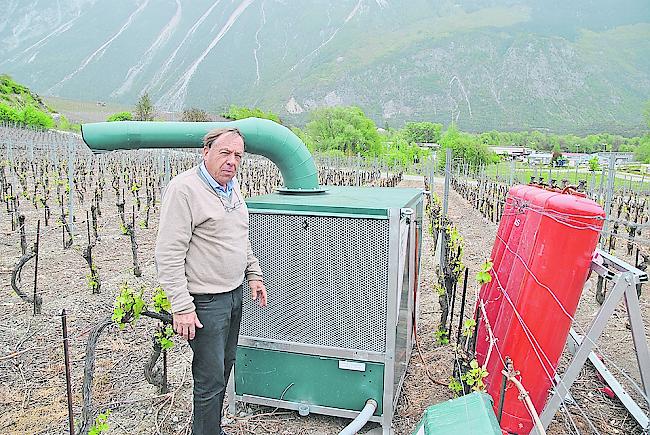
(215, 348)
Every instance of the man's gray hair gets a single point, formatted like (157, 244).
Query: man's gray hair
(213, 135)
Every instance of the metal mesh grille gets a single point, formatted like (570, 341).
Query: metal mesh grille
(327, 280)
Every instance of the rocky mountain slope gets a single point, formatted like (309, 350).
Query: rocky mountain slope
(574, 66)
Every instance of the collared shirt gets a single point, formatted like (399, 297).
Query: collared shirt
(218, 188)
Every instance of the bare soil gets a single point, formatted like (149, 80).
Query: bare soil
(32, 376)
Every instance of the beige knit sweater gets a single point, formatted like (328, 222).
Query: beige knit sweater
(201, 248)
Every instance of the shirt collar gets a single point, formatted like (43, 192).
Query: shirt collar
(218, 188)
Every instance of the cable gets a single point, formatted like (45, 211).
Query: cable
(548, 289)
(535, 346)
(553, 295)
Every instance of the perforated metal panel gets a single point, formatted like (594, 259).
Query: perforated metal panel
(321, 273)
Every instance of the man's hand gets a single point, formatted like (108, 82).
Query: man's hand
(258, 292)
(185, 324)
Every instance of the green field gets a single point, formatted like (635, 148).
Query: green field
(523, 172)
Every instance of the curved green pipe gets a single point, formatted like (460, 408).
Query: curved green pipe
(262, 136)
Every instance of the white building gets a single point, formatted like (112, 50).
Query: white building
(578, 159)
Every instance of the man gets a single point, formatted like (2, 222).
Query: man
(203, 254)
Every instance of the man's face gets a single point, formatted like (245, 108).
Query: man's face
(224, 156)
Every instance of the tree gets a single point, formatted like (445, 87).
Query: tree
(556, 159)
(398, 151)
(490, 138)
(464, 146)
(422, 132)
(144, 110)
(195, 115)
(307, 140)
(120, 116)
(642, 153)
(594, 164)
(346, 129)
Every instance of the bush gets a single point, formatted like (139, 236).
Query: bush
(64, 124)
(29, 115)
(333, 154)
(236, 112)
(9, 114)
(35, 118)
(121, 116)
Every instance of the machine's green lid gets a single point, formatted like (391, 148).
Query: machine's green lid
(467, 415)
(337, 200)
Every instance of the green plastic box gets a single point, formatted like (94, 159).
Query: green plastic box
(471, 414)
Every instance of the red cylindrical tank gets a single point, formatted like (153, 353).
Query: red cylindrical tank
(550, 288)
(511, 218)
(509, 282)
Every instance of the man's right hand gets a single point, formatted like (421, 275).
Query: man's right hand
(185, 324)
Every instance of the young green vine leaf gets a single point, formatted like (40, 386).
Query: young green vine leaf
(483, 276)
(101, 424)
(160, 301)
(128, 306)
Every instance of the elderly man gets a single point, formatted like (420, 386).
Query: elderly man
(203, 254)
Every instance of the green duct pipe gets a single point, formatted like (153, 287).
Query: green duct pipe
(262, 136)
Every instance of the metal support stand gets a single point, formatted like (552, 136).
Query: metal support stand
(625, 278)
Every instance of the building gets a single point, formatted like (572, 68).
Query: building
(620, 158)
(512, 153)
(577, 159)
(428, 145)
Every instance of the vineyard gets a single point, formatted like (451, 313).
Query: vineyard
(78, 233)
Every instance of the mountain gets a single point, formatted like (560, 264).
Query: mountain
(563, 66)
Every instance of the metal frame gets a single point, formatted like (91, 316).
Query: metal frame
(625, 278)
(410, 260)
(391, 387)
(412, 255)
(325, 410)
(394, 217)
